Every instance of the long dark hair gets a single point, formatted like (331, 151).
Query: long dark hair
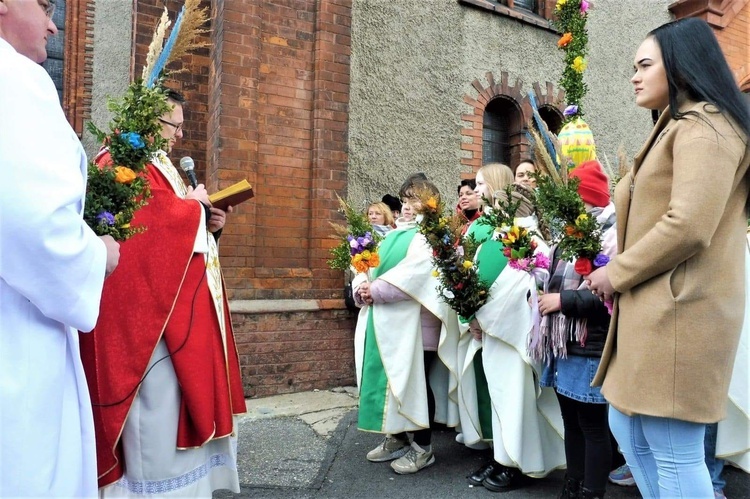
(695, 64)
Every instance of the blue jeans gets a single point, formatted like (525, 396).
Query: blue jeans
(714, 464)
(665, 455)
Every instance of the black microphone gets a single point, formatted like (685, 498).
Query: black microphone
(188, 166)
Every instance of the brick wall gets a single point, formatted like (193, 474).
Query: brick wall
(735, 42)
(278, 116)
(77, 79)
(294, 351)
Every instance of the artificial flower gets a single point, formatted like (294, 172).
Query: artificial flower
(357, 258)
(134, 139)
(432, 203)
(560, 4)
(581, 219)
(571, 110)
(374, 260)
(584, 6)
(569, 230)
(435, 273)
(124, 175)
(366, 255)
(601, 260)
(580, 64)
(583, 266)
(105, 217)
(565, 40)
(468, 264)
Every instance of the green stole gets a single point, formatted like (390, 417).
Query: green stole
(491, 262)
(373, 390)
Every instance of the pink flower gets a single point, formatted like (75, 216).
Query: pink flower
(541, 261)
(584, 6)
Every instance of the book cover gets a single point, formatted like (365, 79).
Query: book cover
(232, 195)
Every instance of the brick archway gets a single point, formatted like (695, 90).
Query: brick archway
(471, 133)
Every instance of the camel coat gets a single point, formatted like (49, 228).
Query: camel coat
(679, 273)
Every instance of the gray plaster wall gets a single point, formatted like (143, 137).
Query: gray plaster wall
(113, 37)
(413, 62)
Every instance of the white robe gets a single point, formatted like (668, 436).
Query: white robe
(51, 275)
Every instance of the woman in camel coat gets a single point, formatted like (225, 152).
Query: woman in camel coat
(678, 281)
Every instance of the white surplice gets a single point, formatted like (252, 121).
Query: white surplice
(51, 276)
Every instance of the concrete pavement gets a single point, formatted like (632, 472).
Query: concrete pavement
(306, 445)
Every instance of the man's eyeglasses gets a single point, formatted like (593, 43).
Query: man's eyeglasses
(48, 6)
(176, 127)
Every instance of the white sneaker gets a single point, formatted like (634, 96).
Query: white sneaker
(389, 449)
(460, 438)
(415, 459)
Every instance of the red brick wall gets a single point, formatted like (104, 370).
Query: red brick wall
(295, 351)
(278, 116)
(76, 102)
(735, 42)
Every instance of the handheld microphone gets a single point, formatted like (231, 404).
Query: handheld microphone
(188, 166)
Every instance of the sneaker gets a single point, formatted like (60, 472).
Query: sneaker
(389, 449)
(414, 460)
(622, 476)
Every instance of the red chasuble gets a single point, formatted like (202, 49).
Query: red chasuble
(160, 290)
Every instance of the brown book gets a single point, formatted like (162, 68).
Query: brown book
(232, 195)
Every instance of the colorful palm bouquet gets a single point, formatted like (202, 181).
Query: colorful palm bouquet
(459, 283)
(519, 247)
(116, 190)
(358, 242)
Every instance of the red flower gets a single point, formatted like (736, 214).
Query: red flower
(583, 266)
(459, 286)
(506, 252)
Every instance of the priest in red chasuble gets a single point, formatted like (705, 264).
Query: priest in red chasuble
(162, 365)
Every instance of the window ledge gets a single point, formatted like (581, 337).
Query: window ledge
(518, 14)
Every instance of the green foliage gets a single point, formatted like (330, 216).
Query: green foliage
(460, 286)
(115, 192)
(576, 233)
(570, 20)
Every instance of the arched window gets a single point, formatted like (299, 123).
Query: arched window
(552, 118)
(529, 5)
(496, 131)
(55, 46)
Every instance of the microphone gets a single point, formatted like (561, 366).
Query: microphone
(188, 166)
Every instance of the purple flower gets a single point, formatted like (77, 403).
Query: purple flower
(571, 110)
(584, 6)
(353, 243)
(105, 217)
(601, 260)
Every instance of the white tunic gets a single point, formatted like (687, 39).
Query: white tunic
(51, 276)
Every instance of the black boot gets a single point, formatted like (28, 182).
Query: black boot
(571, 489)
(590, 494)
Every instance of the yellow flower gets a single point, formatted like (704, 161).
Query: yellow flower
(560, 4)
(468, 264)
(357, 258)
(435, 273)
(580, 64)
(581, 219)
(365, 255)
(432, 203)
(124, 175)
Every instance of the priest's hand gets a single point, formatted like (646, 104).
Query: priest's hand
(218, 218)
(113, 254)
(199, 193)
